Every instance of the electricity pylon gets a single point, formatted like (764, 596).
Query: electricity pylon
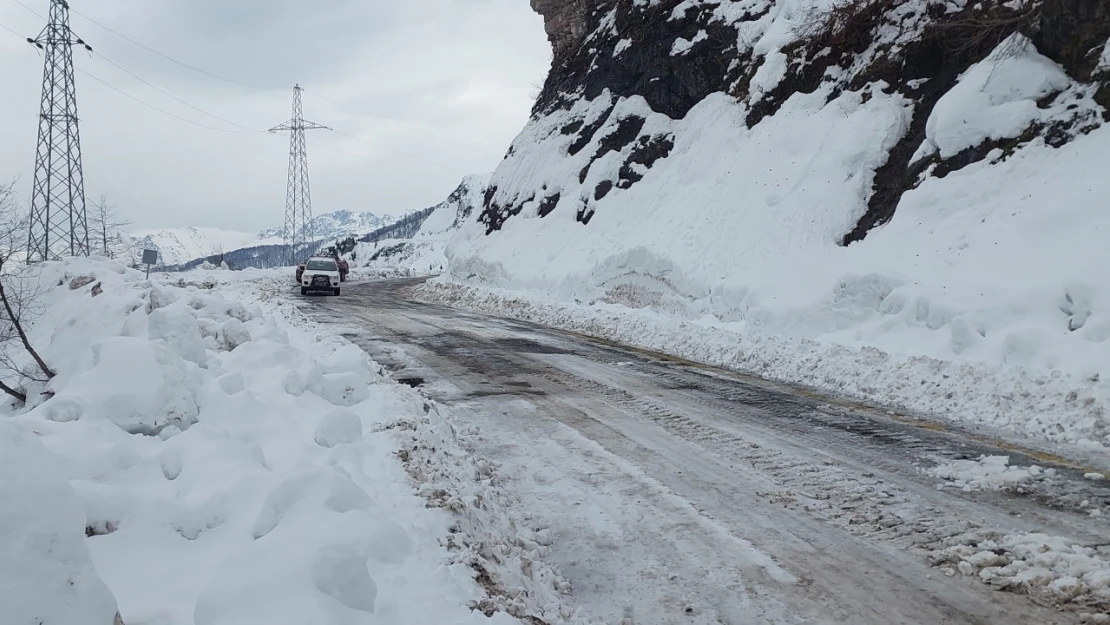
(298, 197)
(58, 222)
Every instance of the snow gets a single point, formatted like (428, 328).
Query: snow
(46, 572)
(232, 463)
(1049, 568)
(338, 427)
(988, 473)
(996, 98)
(682, 46)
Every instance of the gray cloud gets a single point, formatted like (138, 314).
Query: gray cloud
(457, 69)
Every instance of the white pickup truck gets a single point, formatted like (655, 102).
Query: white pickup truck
(321, 273)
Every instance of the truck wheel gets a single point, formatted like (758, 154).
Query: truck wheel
(304, 291)
(335, 291)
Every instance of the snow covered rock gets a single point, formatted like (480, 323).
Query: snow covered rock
(46, 573)
(140, 386)
(995, 99)
(338, 427)
(233, 334)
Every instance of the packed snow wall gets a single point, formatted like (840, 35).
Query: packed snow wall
(922, 176)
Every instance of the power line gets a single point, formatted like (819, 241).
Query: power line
(397, 123)
(248, 85)
(163, 111)
(170, 58)
(13, 32)
(227, 121)
(40, 15)
(170, 95)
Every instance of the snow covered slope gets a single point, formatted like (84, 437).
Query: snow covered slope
(423, 252)
(920, 179)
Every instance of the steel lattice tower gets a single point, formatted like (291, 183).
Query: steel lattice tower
(58, 223)
(298, 197)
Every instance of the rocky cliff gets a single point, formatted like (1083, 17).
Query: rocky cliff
(673, 54)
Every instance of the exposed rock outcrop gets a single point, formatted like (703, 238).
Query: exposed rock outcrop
(565, 22)
(673, 54)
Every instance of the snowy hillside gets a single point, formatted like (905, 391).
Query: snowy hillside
(181, 245)
(423, 251)
(920, 180)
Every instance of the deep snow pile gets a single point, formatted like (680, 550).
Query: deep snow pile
(983, 298)
(228, 463)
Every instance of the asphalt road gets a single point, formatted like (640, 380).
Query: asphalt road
(681, 493)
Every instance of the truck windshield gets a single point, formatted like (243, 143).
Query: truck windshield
(321, 265)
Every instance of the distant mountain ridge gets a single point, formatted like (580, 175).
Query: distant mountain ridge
(338, 223)
(177, 246)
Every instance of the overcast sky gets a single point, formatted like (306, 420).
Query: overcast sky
(462, 70)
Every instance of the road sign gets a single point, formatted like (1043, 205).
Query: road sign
(150, 257)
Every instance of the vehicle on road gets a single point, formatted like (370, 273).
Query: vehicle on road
(320, 273)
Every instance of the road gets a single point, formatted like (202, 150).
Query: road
(680, 493)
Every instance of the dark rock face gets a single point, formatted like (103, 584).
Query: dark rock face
(564, 21)
(631, 49)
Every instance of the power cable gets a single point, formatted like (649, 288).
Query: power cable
(163, 111)
(21, 36)
(170, 58)
(172, 96)
(248, 85)
(41, 16)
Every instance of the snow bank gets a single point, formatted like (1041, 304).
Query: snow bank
(46, 573)
(229, 463)
(1025, 405)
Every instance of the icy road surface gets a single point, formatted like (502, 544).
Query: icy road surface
(677, 493)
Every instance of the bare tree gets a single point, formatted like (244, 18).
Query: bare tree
(18, 295)
(107, 227)
(219, 257)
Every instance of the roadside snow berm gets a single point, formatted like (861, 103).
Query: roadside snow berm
(223, 457)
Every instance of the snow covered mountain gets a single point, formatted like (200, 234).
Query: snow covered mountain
(338, 224)
(923, 179)
(180, 245)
